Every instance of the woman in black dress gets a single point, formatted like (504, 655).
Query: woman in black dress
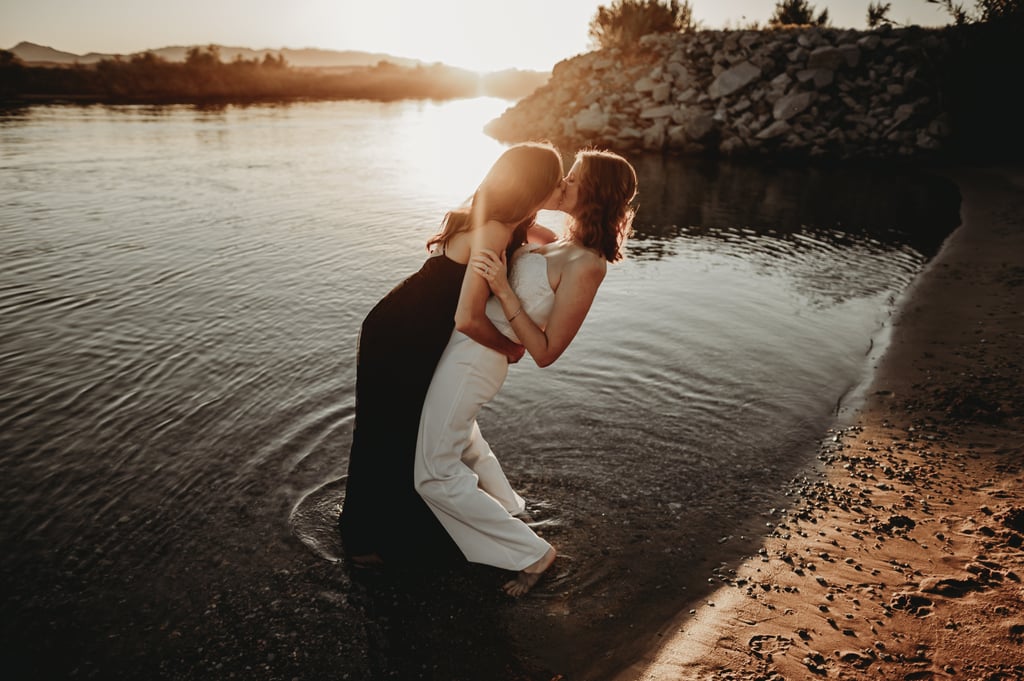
(383, 518)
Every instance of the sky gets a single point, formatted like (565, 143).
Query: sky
(485, 35)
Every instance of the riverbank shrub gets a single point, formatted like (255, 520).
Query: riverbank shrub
(202, 77)
(624, 22)
(796, 13)
(985, 11)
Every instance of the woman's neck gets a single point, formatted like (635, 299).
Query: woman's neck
(569, 236)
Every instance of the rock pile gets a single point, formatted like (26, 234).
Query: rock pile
(808, 91)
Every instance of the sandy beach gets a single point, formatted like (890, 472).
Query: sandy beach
(901, 556)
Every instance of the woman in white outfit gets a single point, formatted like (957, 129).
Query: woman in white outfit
(541, 305)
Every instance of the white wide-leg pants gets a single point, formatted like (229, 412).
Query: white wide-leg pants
(456, 472)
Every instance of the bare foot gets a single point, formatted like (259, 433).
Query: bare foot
(367, 560)
(526, 579)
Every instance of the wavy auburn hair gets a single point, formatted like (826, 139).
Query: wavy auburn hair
(603, 217)
(523, 176)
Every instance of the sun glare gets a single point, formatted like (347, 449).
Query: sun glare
(483, 36)
(446, 160)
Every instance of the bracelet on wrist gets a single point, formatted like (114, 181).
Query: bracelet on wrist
(516, 313)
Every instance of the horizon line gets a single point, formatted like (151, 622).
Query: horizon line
(417, 60)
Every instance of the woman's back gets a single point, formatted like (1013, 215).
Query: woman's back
(400, 342)
(458, 247)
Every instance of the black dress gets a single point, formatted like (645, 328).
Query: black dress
(400, 343)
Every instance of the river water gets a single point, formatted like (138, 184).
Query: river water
(180, 295)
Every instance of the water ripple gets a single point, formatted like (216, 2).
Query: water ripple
(181, 293)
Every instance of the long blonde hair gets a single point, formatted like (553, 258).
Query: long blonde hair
(523, 176)
(603, 218)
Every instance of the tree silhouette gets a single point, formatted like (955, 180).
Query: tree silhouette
(796, 13)
(878, 14)
(626, 21)
(197, 57)
(272, 62)
(8, 58)
(203, 77)
(985, 11)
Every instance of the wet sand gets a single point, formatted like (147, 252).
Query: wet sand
(901, 555)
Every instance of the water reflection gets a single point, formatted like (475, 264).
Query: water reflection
(701, 198)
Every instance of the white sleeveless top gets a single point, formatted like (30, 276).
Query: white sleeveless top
(529, 279)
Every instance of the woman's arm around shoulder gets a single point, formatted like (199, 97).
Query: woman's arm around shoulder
(470, 314)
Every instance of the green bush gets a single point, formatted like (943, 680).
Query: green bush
(985, 11)
(796, 13)
(878, 14)
(626, 21)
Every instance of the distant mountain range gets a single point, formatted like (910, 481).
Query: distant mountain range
(39, 55)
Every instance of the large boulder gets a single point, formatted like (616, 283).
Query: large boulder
(734, 79)
(591, 119)
(792, 105)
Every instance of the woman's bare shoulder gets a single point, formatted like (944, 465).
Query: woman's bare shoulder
(586, 262)
(459, 246)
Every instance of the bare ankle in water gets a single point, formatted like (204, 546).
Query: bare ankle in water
(528, 577)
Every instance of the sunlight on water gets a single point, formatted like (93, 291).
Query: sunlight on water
(439, 158)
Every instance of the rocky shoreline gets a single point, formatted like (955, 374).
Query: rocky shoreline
(901, 557)
(806, 92)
